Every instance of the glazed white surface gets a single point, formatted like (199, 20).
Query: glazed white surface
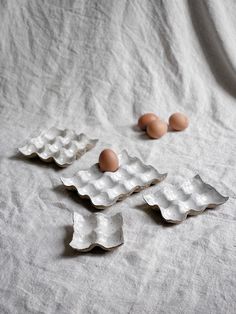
(61, 146)
(97, 230)
(95, 67)
(191, 198)
(106, 188)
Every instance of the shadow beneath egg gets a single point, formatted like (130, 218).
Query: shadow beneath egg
(69, 252)
(136, 128)
(171, 130)
(144, 136)
(141, 134)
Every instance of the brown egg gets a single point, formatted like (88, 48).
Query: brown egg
(157, 128)
(178, 121)
(145, 119)
(108, 161)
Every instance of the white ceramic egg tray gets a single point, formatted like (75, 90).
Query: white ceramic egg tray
(97, 230)
(106, 188)
(191, 198)
(62, 146)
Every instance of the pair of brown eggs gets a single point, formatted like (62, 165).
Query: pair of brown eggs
(156, 128)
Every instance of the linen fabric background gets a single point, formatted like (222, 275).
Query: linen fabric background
(96, 66)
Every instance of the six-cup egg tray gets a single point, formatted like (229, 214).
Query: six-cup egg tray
(97, 230)
(106, 188)
(62, 146)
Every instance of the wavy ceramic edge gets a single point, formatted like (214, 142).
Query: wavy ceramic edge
(120, 197)
(190, 212)
(91, 144)
(97, 244)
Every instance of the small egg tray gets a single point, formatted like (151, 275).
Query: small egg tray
(106, 188)
(191, 198)
(97, 230)
(61, 146)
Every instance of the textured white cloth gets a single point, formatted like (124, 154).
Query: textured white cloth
(96, 66)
